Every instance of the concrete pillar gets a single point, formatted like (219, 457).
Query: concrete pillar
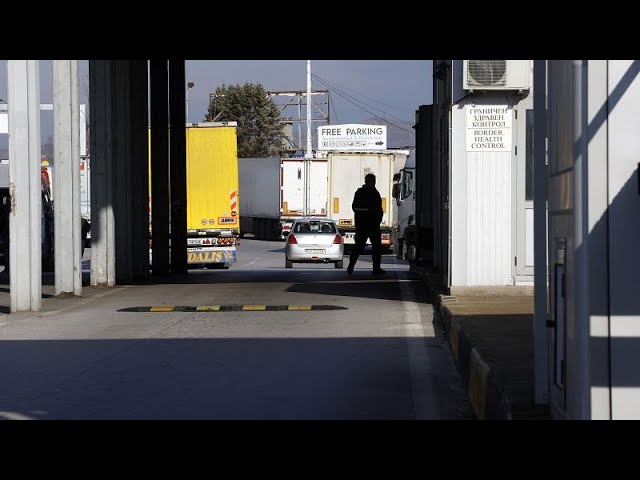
(178, 167)
(160, 167)
(24, 185)
(103, 266)
(66, 181)
(122, 161)
(140, 169)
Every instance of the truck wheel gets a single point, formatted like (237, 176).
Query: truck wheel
(339, 264)
(288, 263)
(411, 253)
(275, 230)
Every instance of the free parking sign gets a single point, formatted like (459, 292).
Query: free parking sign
(352, 137)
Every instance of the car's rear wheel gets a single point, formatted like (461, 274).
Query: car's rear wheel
(288, 263)
(339, 264)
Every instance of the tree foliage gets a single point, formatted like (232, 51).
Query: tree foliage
(259, 128)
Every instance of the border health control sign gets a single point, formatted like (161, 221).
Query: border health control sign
(352, 137)
(488, 128)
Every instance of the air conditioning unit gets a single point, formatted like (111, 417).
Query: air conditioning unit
(496, 74)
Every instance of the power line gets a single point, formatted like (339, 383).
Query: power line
(366, 96)
(373, 114)
(335, 113)
(348, 97)
(333, 107)
(338, 92)
(326, 82)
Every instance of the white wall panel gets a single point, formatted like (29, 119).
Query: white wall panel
(489, 218)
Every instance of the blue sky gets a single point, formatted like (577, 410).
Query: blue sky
(395, 87)
(401, 84)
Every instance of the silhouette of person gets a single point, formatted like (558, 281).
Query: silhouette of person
(367, 207)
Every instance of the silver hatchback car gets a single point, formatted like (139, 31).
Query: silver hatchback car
(314, 240)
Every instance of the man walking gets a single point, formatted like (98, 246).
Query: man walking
(367, 206)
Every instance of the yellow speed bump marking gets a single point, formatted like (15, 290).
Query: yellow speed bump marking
(254, 307)
(168, 308)
(208, 308)
(230, 308)
(299, 307)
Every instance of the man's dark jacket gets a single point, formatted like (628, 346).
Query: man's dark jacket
(367, 206)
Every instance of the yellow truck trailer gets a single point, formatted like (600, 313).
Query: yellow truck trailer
(213, 213)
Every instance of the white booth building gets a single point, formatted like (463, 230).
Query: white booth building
(483, 124)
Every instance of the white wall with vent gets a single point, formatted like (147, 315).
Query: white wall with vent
(482, 191)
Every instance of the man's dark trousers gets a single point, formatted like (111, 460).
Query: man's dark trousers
(373, 233)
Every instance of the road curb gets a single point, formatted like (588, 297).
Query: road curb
(488, 399)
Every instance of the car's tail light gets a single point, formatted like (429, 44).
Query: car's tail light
(337, 240)
(292, 239)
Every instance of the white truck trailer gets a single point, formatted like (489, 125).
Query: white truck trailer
(259, 197)
(346, 172)
(300, 197)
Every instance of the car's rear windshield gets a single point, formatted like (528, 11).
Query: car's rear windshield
(314, 227)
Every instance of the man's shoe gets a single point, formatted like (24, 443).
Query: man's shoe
(379, 270)
(350, 269)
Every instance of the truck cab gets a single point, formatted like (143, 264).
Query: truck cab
(404, 196)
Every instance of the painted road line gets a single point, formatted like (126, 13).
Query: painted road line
(162, 308)
(420, 365)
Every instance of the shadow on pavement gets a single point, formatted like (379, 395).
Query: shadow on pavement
(383, 287)
(205, 378)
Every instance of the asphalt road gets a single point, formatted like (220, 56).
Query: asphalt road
(375, 355)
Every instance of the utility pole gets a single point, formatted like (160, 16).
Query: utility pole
(190, 85)
(309, 155)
